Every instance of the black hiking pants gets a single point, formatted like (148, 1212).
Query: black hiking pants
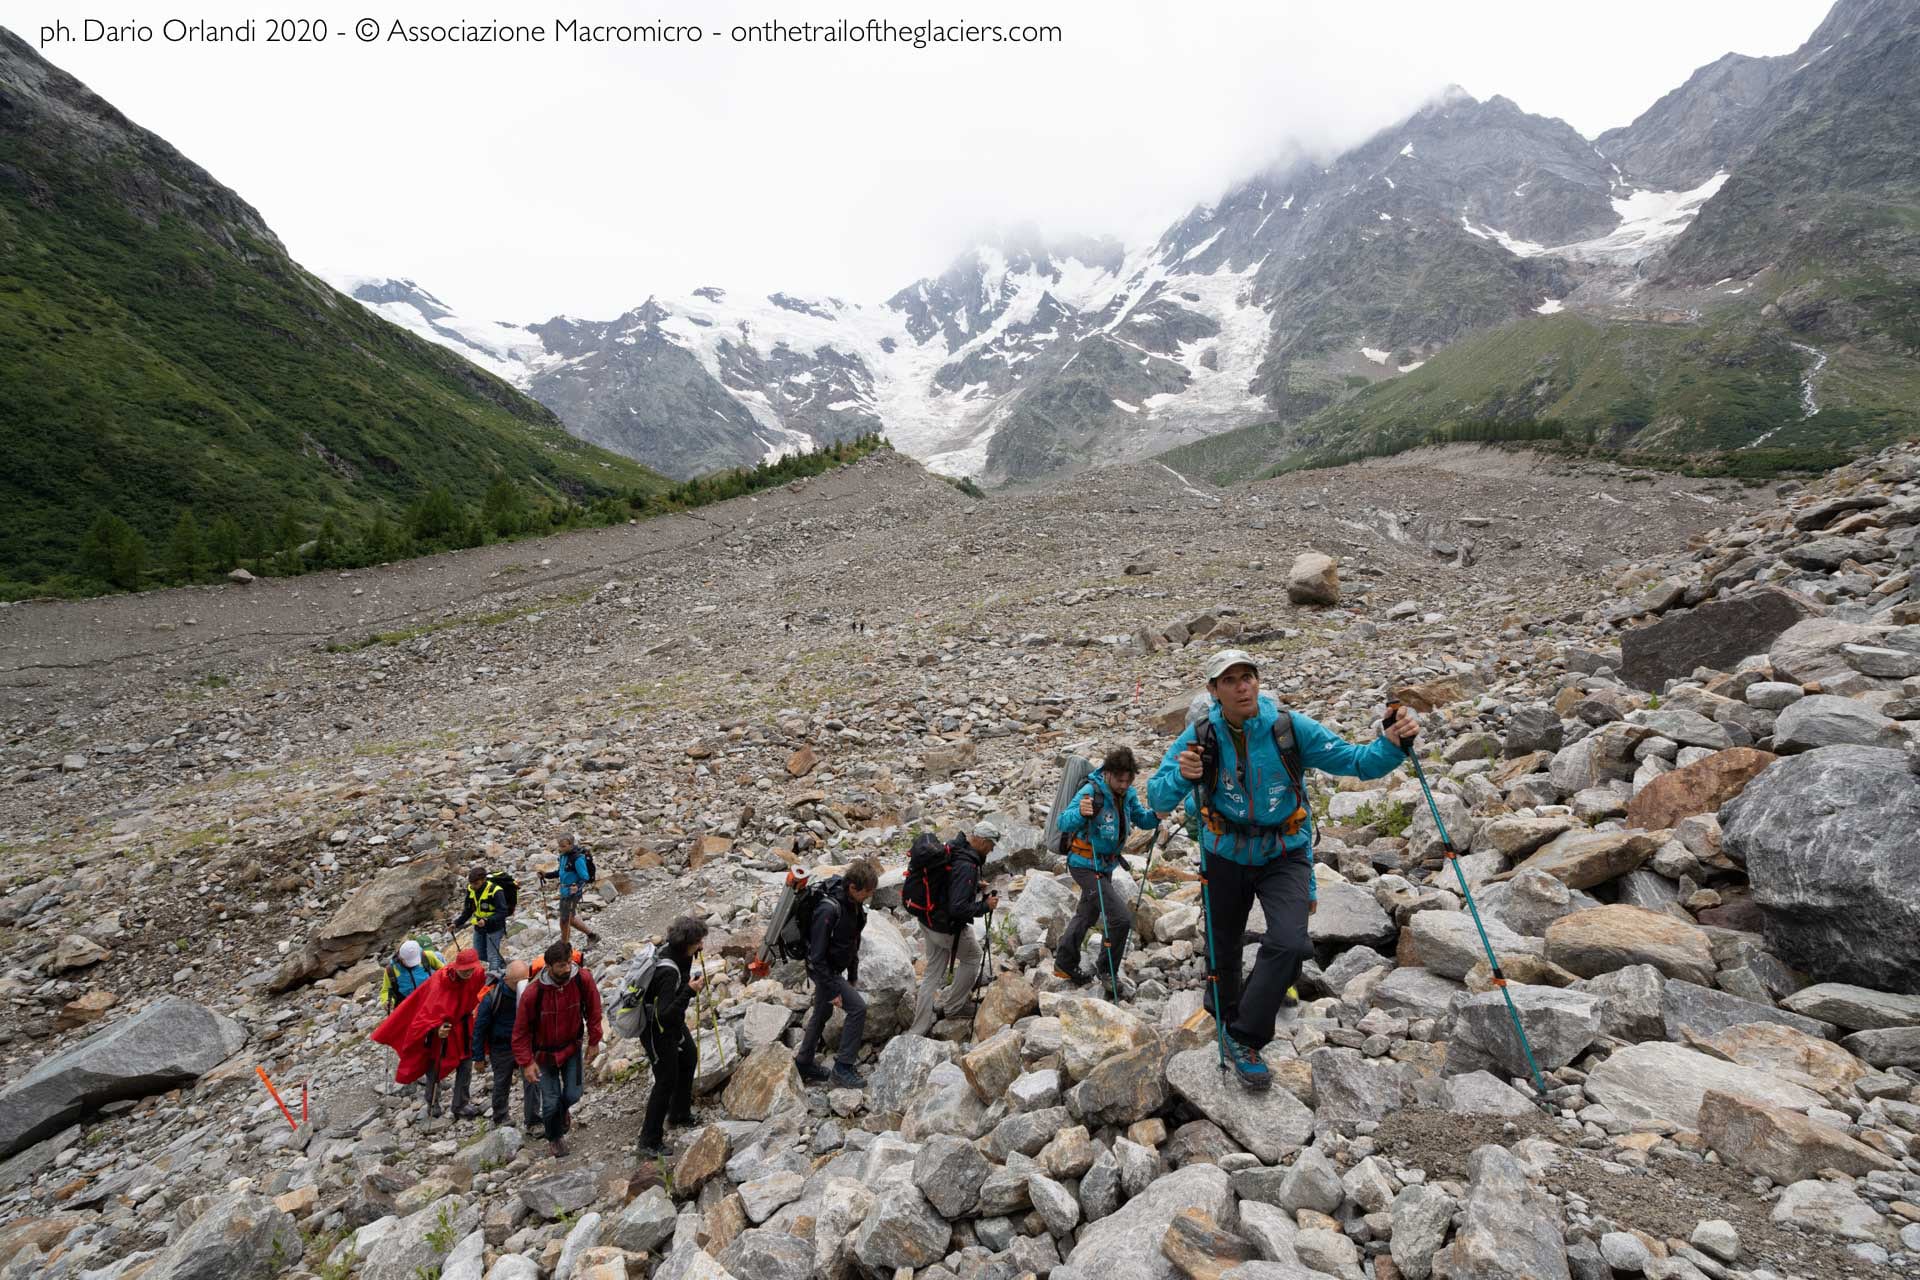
(1093, 887)
(1280, 887)
(673, 1055)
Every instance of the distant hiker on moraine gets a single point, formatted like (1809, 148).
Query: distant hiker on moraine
(1246, 762)
(575, 872)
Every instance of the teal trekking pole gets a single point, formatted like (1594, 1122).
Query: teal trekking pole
(1453, 858)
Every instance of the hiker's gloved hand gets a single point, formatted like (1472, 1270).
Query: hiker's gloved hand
(694, 984)
(993, 901)
(1403, 727)
(1086, 806)
(1190, 767)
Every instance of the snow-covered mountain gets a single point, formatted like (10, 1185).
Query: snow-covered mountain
(1032, 357)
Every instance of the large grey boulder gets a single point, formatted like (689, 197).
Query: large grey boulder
(1268, 1124)
(887, 979)
(1660, 1083)
(1509, 1233)
(1422, 1216)
(1707, 1011)
(1348, 916)
(242, 1236)
(1125, 1245)
(1448, 944)
(1828, 842)
(1826, 721)
(1855, 1008)
(419, 1242)
(379, 912)
(1814, 651)
(901, 1069)
(171, 1042)
(1560, 1025)
(1716, 634)
(901, 1230)
(1349, 1089)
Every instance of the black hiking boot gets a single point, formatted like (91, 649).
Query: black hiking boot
(812, 1072)
(1072, 977)
(847, 1078)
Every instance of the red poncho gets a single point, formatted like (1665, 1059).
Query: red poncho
(413, 1029)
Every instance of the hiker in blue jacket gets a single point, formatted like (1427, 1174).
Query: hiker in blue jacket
(1256, 836)
(572, 871)
(1100, 818)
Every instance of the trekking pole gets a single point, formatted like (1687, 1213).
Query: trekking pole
(1453, 858)
(1106, 934)
(1140, 890)
(1213, 968)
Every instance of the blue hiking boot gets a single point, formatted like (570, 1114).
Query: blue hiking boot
(1248, 1067)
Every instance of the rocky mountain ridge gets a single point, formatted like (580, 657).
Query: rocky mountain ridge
(1297, 287)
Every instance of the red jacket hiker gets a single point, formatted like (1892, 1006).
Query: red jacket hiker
(559, 1010)
(412, 1029)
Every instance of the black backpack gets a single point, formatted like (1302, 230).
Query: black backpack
(929, 882)
(1291, 758)
(583, 858)
(509, 891)
(796, 935)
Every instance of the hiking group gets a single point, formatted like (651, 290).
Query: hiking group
(1236, 773)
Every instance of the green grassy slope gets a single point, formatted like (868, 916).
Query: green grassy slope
(161, 352)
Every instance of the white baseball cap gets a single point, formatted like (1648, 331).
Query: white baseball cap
(1219, 663)
(987, 829)
(410, 953)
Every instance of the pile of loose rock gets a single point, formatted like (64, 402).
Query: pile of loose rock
(1687, 816)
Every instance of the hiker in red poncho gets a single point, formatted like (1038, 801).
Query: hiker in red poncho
(429, 1028)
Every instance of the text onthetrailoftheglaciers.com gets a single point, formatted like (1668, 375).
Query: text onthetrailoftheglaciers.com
(309, 31)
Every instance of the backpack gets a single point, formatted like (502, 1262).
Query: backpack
(583, 859)
(795, 939)
(1075, 776)
(509, 891)
(629, 1007)
(1291, 758)
(929, 882)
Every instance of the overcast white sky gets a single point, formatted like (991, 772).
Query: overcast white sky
(520, 182)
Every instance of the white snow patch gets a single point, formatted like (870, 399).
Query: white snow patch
(1122, 404)
(1409, 368)
(1512, 244)
(1552, 306)
(1407, 151)
(1200, 248)
(1375, 354)
(1648, 219)
(1384, 217)
(1288, 202)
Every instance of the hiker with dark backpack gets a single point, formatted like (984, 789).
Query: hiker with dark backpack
(943, 892)
(558, 1011)
(653, 1003)
(1244, 764)
(1095, 827)
(490, 901)
(575, 872)
(838, 909)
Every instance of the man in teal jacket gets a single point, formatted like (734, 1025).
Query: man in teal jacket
(1098, 821)
(1256, 837)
